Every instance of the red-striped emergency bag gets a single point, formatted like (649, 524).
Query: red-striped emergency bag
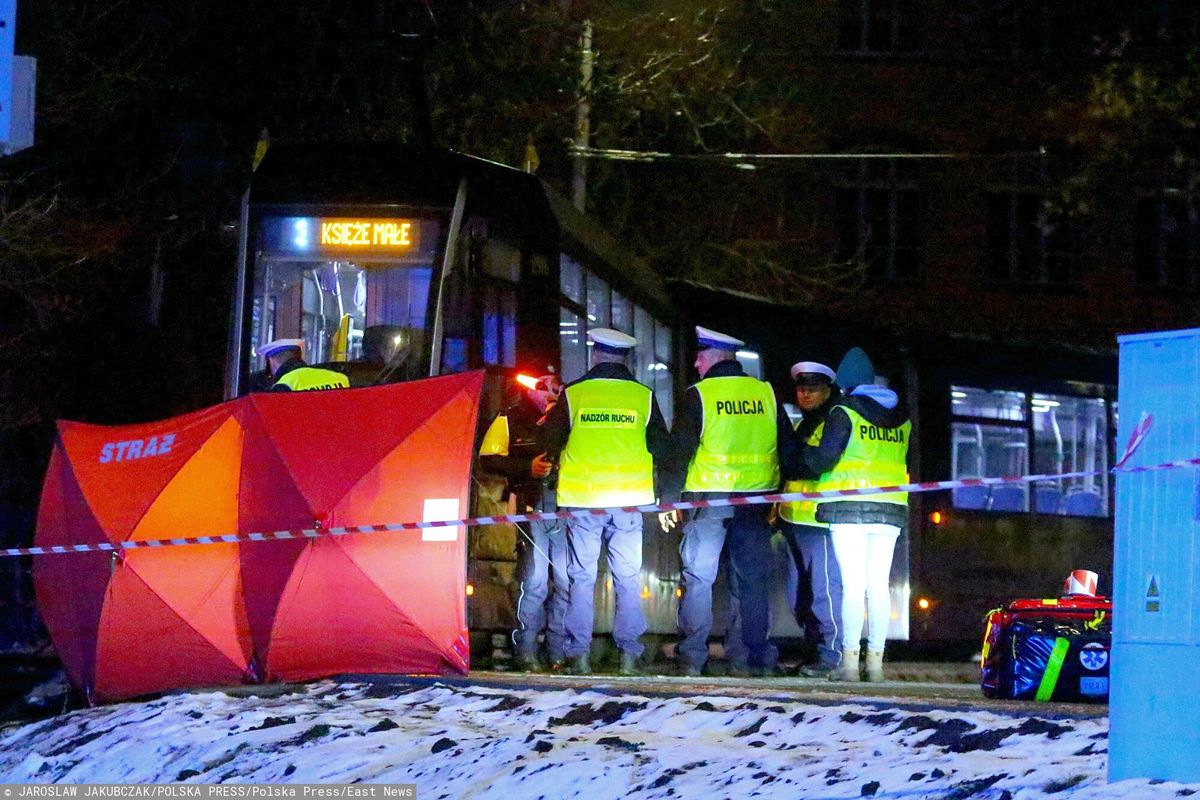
(1053, 649)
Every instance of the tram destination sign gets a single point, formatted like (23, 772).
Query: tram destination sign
(342, 234)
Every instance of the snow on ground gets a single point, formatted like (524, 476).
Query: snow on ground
(477, 742)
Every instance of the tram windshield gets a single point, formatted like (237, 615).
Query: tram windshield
(356, 290)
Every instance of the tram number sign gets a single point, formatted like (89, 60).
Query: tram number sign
(390, 234)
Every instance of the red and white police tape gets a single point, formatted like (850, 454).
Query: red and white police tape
(1135, 441)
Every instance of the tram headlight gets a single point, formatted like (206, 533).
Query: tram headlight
(924, 603)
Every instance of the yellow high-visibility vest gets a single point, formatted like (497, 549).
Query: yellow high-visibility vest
(738, 449)
(874, 456)
(495, 441)
(804, 512)
(308, 379)
(605, 462)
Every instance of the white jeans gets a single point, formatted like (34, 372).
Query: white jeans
(864, 553)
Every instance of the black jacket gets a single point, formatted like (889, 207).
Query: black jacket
(815, 461)
(523, 432)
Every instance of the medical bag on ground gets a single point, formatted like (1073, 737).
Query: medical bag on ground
(1049, 650)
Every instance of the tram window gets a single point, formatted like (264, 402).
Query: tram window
(499, 325)
(751, 363)
(455, 355)
(606, 307)
(622, 313)
(598, 302)
(1071, 435)
(1062, 434)
(571, 279)
(572, 344)
(501, 260)
(967, 401)
(331, 304)
(662, 385)
(646, 361)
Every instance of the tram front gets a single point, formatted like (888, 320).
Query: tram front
(354, 251)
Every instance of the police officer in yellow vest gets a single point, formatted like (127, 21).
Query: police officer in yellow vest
(289, 373)
(726, 441)
(865, 443)
(606, 434)
(818, 602)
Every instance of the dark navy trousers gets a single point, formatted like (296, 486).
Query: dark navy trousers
(818, 600)
(621, 532)
(542, 572)
(749, 537)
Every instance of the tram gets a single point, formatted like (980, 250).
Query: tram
(395, 263)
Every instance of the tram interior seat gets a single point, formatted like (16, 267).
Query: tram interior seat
(1084, 503)
(1047, 499)
(1008, 498)
(971, 497)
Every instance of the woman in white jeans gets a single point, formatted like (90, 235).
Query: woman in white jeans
(865, 551)
(865, 443)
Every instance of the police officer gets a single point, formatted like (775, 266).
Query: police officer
(510, 450)
(819, 592)
(864, 443)
(728, 434)
(289, 373)
(606, 437)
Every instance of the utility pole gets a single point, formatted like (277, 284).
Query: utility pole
(583, 122)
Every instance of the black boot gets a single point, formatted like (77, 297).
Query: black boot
(580, 665)
(630, 664)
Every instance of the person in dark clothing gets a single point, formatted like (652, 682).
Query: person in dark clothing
(606, 435)
(510, 449)
(864, 444)
(385, 351)
(818, 600)
(726, 441)
(289, 373)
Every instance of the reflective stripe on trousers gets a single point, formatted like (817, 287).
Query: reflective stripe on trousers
(818, 570)
(542, 571)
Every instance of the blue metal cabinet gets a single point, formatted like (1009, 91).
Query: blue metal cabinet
(1154, 701)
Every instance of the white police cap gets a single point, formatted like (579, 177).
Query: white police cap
(707, 338)
(278, 346)
(812, 368)
(607, 340)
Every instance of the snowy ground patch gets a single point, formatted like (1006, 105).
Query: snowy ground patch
(467, 742)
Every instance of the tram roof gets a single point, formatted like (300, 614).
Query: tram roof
(811, 331)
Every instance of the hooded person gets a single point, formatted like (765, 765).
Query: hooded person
(864, 444)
